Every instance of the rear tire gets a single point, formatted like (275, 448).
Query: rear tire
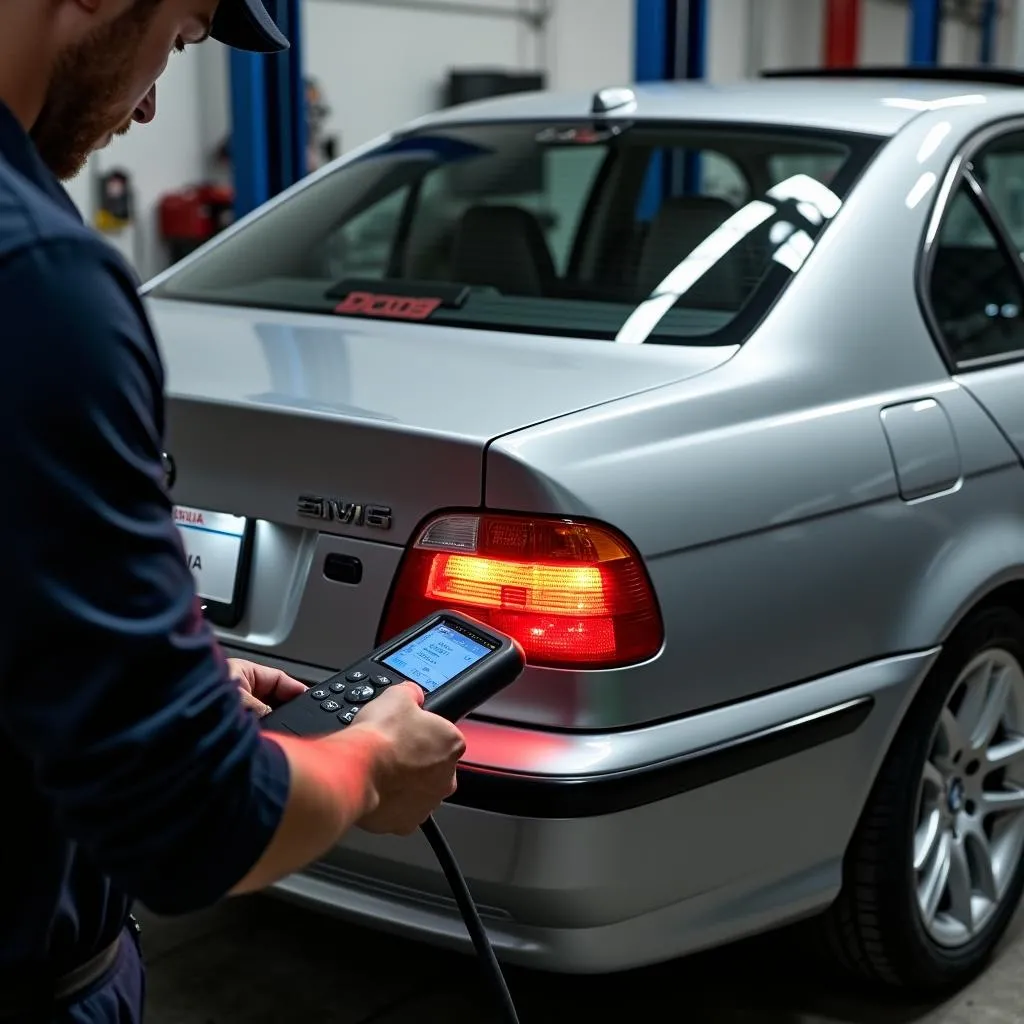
(932, 804)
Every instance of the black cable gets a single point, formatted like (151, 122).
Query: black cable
(475, 927)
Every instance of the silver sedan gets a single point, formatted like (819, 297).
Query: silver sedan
(711, 395)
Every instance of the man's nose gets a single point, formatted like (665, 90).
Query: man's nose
(146, 110)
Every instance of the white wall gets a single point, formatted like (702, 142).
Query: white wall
(380, 66)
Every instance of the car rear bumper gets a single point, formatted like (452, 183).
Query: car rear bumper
(598, 852)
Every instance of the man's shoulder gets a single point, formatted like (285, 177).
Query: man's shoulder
(31, 221)
(28, 216)
(61, 281)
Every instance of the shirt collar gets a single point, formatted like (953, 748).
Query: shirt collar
(18, 150)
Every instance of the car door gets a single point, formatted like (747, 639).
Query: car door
(974, 278)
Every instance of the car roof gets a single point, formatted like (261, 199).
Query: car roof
(871, 105)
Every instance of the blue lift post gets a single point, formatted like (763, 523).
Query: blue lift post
(989, 25)
(671, 43)
(691, 64)
(268, 115)
(925, 29)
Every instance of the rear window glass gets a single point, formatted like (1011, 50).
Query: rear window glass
(632, 232)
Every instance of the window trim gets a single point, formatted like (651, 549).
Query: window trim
(960, 171)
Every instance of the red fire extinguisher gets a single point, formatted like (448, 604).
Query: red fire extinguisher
(193, 216)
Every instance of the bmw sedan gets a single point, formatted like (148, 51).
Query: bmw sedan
(711, 397)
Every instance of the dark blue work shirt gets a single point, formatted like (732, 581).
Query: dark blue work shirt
(128, 768)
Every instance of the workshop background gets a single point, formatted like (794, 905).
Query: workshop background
(371, 65)
(232, 130)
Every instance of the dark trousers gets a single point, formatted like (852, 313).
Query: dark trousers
(116, 999)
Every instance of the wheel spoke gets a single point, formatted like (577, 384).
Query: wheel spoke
(958, 883)
(972, 707)
(926, 840)
(977, 846)
(934, 884)
(932, 778)
(1004, 754)
(1003, 801)
(993, 710)
(951, 732)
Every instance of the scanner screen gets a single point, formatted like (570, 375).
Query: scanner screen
(437, 656)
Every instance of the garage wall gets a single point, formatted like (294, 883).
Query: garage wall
(381, 65)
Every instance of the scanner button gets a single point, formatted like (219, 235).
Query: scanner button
(359, 694)
(331, 705)
(382, 680)
(338, 687)
(356, 676)
(320, 693)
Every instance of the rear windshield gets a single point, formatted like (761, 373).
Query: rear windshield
(628, 232)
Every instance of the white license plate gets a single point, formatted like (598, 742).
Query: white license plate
(213, 545)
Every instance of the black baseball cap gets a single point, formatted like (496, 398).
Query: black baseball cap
(246, 25)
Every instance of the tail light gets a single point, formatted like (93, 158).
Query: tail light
(575, 595)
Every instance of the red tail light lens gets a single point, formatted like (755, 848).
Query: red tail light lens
(575, 595)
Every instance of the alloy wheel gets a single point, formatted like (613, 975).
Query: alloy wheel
(969, 832)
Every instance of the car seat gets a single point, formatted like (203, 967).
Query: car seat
(503, 247)
(678, 228)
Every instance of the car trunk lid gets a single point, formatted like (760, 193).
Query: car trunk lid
(264, 407)
(327, 441)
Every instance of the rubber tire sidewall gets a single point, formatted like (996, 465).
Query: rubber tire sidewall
(917, 962)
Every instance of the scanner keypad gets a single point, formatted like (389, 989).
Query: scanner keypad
(360, 693)
(343, 695)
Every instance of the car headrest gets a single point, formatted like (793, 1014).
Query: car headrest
(679, 227)
(504, 247)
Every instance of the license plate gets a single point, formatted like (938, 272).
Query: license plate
(214, 543)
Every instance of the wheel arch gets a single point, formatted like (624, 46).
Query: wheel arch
(984, 567)
(980, 576)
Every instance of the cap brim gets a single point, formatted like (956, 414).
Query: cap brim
(246, 25)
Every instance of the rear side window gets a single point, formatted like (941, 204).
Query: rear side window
(999, 169)
(976, 283)
(631, 232)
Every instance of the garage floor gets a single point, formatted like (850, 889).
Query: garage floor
(258, 961)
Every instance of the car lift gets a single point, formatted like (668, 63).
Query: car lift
(671, 44)
(268, 115)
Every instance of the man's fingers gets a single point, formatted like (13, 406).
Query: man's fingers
(416, 691)
(273, 684)
(253, 703)
(287, 688)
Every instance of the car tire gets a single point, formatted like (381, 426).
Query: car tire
(882, 926)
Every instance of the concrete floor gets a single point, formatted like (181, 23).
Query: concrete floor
(258, 961)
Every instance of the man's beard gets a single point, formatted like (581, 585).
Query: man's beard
(88, 82)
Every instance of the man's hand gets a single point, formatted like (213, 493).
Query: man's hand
(386, 773)
(263, 688)
(417, 755)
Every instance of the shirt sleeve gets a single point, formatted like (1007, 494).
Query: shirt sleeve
(111, 682)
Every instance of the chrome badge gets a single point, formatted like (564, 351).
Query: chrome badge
(347, 513)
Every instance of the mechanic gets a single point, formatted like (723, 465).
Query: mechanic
(130, 768)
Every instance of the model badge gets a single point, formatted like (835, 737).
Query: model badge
(348, 513)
